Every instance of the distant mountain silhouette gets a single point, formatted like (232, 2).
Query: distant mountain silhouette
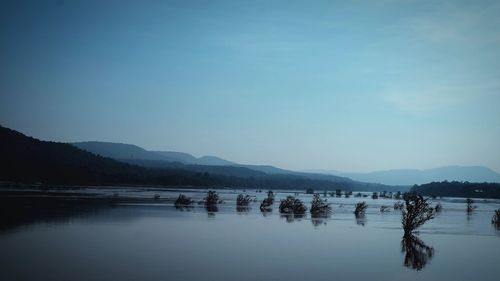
(413, 176)
(211, 164)
(133, 152)
(213, 160)
(174, 156)
(29, 160)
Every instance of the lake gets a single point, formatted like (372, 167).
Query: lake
(125, 234)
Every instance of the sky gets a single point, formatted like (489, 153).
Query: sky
(342, 85)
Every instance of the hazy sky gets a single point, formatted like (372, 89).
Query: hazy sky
(345, 85)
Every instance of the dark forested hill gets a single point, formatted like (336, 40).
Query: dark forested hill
(458, 189)
(29, 160)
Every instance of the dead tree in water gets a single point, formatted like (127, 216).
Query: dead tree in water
(183, 201)
(243, 200)
(470, 207)
(319, 207)
(496, 219)
(360, 208)
(267, 202)
(292, 205)
(416, 212)
(211, 200)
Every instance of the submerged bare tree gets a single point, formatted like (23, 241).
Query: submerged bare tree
(496, 219)
(243, 200)
(470, 207)
(417, 254)
(416, 212)
(360, 208)
(267, 202)
(292, 205)
(183, 201)
(211, 200)
(319, 207)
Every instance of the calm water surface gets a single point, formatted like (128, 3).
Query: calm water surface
(123, 234)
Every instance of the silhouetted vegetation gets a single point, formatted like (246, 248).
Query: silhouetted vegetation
(360, 208)
(417, 254)
(470, 207)
(338, 192)
(374, 195)
(211, 200)
(496, 219)
(243, 200)
(319, 207)
(416, 212)
(183, 201)
(30, 161)
(398, 195)
(458, 189)
(267, 202)
(292, 205)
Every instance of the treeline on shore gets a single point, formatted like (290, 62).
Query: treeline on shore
(458, 189)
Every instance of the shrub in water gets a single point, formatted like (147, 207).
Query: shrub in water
(183, 200)
(292, 205)
(360, 208)
(243, 200)
(211, 199)
(267, 202)
(319, 206)
(416, 212)
(496, 219)
(469, 203)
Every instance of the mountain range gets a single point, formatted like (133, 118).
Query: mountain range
(29, 160)
(26, 159)
(401, 177)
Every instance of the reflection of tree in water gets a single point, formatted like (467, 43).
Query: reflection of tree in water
(266, 212)
(242, 210)
(417, 254)
(360, 219)
(184, 208)
(211, 210)
(319, 219)
(291, 217)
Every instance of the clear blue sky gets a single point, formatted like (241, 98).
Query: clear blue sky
(345, 85)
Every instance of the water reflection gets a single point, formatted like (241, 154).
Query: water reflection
(291, 217)
(320, 218)
(211, 210)
(417, 253)
(243, 210)
(360, 219)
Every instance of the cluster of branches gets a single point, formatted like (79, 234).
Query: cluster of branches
(416, 212)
